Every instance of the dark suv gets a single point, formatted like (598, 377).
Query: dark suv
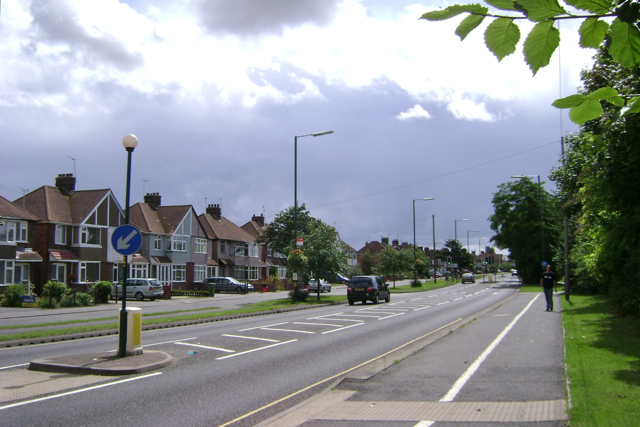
(363, 288)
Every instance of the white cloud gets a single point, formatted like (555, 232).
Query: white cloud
(466, 109)
(415, 112)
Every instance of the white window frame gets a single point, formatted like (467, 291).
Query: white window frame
(56, 268)
(6, 274)
(253, 273)
(85, 235)
(178, 273)
(61, 235)
(200, 245)
(253, 250)
(138, 271)
(24, 273)
(211, 271)
(178, 244)
(83, 272)
(223, 247)
(239, 249)
(157, 242)
(199, 273)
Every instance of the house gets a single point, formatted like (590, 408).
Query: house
(272, 260)
(373, 248)
(73, 232)
(352, 254)
(19, 263)
(235, 250)
(175, 247)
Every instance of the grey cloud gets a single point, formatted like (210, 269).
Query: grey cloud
(58, 23)
(257, 17)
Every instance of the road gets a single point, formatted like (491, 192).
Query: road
(226, 370)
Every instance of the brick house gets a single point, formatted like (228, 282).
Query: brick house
(255, 228)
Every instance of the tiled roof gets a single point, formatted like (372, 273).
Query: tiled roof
(28, 256)
(13, 211)
(146, 219)
(172, 216)
(83, 202)
(254, 229)
(63, 255)
(224, 229)
(47, 204)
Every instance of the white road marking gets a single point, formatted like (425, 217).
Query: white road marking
(55, 396)
(287, 330)
(250, 338)
(451, 394)
(260, 327)
(345, 327)
(13, 366)
(317, 324)
(205, 346)
(255, 349)
(167, 342)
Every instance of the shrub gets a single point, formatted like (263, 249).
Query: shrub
(104, 291)
(416, 284)
(13, 295)
(300, 295)
(82, 299)
(189, 293)
(56, 289)
(44, 303)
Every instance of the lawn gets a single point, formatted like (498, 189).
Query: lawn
(603, 363)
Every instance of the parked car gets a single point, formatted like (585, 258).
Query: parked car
(341, 279)
(367, 288)
(324, 286)
(514, 272)
(228, 284)
(468, 277)
(139, 289)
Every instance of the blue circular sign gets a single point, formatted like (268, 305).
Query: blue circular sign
(544, 263)
(126, 240)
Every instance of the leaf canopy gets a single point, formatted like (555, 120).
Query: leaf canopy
(468, 24)
(539, 10)
(625, 43)
(455, 10)
(599, 7)
(540, 44)
(501, 37)
(504, 5)
(592, 32)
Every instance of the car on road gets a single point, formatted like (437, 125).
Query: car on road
(367, 288)
(514, 272)
(324, 286)
(228, 284)
(468, 277)
(341, 279)
(139, 289)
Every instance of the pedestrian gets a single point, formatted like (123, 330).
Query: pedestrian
(548, 283)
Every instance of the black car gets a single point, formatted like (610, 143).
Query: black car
(367, 288)
(228, 284)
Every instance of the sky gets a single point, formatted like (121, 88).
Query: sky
(217, 90)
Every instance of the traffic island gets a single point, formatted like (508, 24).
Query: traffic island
(107, 363)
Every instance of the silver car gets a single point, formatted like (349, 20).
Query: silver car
(324, 286)
(229, 284)
(139, 289)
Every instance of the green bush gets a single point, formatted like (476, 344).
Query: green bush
(189, 293)
(301, 295)
(104, 291)
(56, 289)
(82, 299)
(416, 284)
(44, 303)
(13, 295)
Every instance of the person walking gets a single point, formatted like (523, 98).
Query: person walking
(548, 283)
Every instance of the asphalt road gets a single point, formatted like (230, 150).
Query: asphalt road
(264, 364)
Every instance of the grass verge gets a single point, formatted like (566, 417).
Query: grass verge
(603, 363)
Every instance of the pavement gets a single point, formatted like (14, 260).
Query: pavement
(409, 387)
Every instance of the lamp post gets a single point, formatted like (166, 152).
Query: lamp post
(295, 195)
(455, 222)
(415, 272)
(130, 142)
(472, 231)
(485, 255)
(544, 263)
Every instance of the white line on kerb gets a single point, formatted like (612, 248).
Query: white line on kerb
(451, 394)
(13, 366)
(13, 405)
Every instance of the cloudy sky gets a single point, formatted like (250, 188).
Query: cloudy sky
(216, 90)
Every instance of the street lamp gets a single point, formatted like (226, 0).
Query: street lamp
(130, 142)
(295, 195)
(455, 223)
(415, 272)
(472, 231)
(540, 201)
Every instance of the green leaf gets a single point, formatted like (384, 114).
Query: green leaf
(540, 44)
(503, 4)
(598, 7)
(569, 101)
(633, 106)
(592, 32)
(539, 10)
(455, 10)
(501, 37)
(588, 110)
(608, 94)
(625, 43)
(468, 24)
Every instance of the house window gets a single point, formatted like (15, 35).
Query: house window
(253, 250)
(253, 273)
(179, 273)
(268, 251)
(21, 231)
(90, 236)
(201, 246)
(240, 249)
(211, 271)
(239, 273)
(157, 243)
(21, 273)
(116, 271)
(223, 247)
(89, 272)
(178, 243)
(61, 235)
(199, 273)
(6, 272)
(139, 271)
(16, 232)
(58, 272)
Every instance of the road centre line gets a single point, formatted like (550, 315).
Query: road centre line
(255, 349)
(260, 327)
(13, 405)
(458, 298)
(389, 317)
(318, 324)
(169, 342)
(349, 320)
(205, 346)
(446, 302)
(287, 330)
(250, 338)
(344, 327)
(390, 312)
(457, 386)
(422, 308)
(13, 366)
(361, 315)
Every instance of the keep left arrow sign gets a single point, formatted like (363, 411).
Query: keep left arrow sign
(126, 239)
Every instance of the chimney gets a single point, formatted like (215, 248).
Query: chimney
(66, 183)
(258, 219)
(394, 242)
(153, 200)
(385, 240)
(214, 211)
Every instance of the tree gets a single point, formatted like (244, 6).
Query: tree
(458, 254)
(279, 234)
(323, 250)
(502, 35)
(394, 262)
(516, 222)
(367, 263)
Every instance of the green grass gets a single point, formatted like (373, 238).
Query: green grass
(603, 363)
(424, 286)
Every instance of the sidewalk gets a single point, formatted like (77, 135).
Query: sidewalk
(521, 380)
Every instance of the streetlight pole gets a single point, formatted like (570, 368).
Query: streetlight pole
(539, 201)
(415, 272)
(130, 142)
(295, 197)
(435, 276)
(472, 231)
(456, 226)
